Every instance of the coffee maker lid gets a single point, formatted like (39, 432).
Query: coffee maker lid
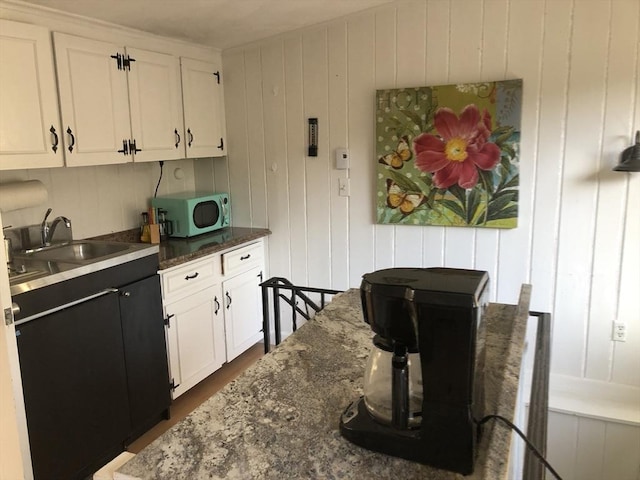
(452, 286)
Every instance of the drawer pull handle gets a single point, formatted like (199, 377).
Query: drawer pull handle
(246, 257)
(191, 277)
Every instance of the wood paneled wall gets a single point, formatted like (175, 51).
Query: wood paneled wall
(578, 239)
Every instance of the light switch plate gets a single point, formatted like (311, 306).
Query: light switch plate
(344, 189)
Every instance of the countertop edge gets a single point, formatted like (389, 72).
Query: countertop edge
(190, 248)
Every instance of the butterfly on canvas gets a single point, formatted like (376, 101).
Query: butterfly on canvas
(401, 154)
(404, 201)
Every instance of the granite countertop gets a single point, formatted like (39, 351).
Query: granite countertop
(178, 250)
(279, 419)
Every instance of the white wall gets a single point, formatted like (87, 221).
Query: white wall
(578, 240)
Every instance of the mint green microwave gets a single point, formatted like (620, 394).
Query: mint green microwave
(195, 213)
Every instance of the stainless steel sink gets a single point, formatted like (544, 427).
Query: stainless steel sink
(77, 252)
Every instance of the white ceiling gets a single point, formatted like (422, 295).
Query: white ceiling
(217, 23)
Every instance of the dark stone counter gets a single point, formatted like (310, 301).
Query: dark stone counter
(177, 250)
(279, 419)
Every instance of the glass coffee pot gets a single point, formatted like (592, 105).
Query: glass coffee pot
(393, 385)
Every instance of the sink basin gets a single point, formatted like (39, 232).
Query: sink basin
(77, 252)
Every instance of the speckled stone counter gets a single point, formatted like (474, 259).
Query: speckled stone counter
(177, 250)
(279, 419)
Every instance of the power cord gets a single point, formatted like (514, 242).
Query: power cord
(530, 445)
(160, 178)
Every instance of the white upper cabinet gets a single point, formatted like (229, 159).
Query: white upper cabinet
(29, 122)
(203, 108)
(93, 101)
(155, 105)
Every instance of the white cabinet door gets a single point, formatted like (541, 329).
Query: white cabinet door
(243, 312)
(155, 105)
(203, 108)
(195, 338)
(93, 101)
(30, 134)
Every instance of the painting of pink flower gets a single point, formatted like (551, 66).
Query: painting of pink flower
(460, 148)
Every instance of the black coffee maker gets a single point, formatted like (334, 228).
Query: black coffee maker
(422, 389)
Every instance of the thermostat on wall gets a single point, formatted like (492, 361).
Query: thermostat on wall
(342, 158)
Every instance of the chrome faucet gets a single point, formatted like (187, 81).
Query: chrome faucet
(48, 231)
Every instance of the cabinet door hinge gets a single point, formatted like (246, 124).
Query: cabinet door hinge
(217, 75)
(173, 384)
(125, 148)
(133, 148)
(119, 58)
(126, 62)
(167, 320)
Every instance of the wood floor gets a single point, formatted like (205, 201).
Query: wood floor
(190, 400)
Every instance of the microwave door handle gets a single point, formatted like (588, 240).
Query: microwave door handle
(224, 212)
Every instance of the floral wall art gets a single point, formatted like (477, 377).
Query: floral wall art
(448, 154)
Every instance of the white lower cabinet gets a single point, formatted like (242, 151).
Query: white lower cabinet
(195, 333)
(242, 312)
(213, 312)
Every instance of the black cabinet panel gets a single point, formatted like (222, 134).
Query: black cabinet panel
(145, 353)
(75, 388)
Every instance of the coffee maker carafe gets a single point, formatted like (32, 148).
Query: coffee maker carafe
(421, 388)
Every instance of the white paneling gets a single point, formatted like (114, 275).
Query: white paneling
(296, 144)
(610, 219)
(562, 444)
(625, 362)
(316, 96)
(361, 72)
(338, 138)
(553, 107)
(255, 137)
(626, 359)
(273, 93)
(621, 452)
(237, 137)
(385, 77)
(588, 459)
(579, 189)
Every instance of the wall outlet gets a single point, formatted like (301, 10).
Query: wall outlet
(619, 332)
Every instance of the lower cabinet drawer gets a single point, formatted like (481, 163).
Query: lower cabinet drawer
(242, 259)
(190, 276)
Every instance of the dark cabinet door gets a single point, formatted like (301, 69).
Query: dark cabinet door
(75, 388)
(145, 353)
